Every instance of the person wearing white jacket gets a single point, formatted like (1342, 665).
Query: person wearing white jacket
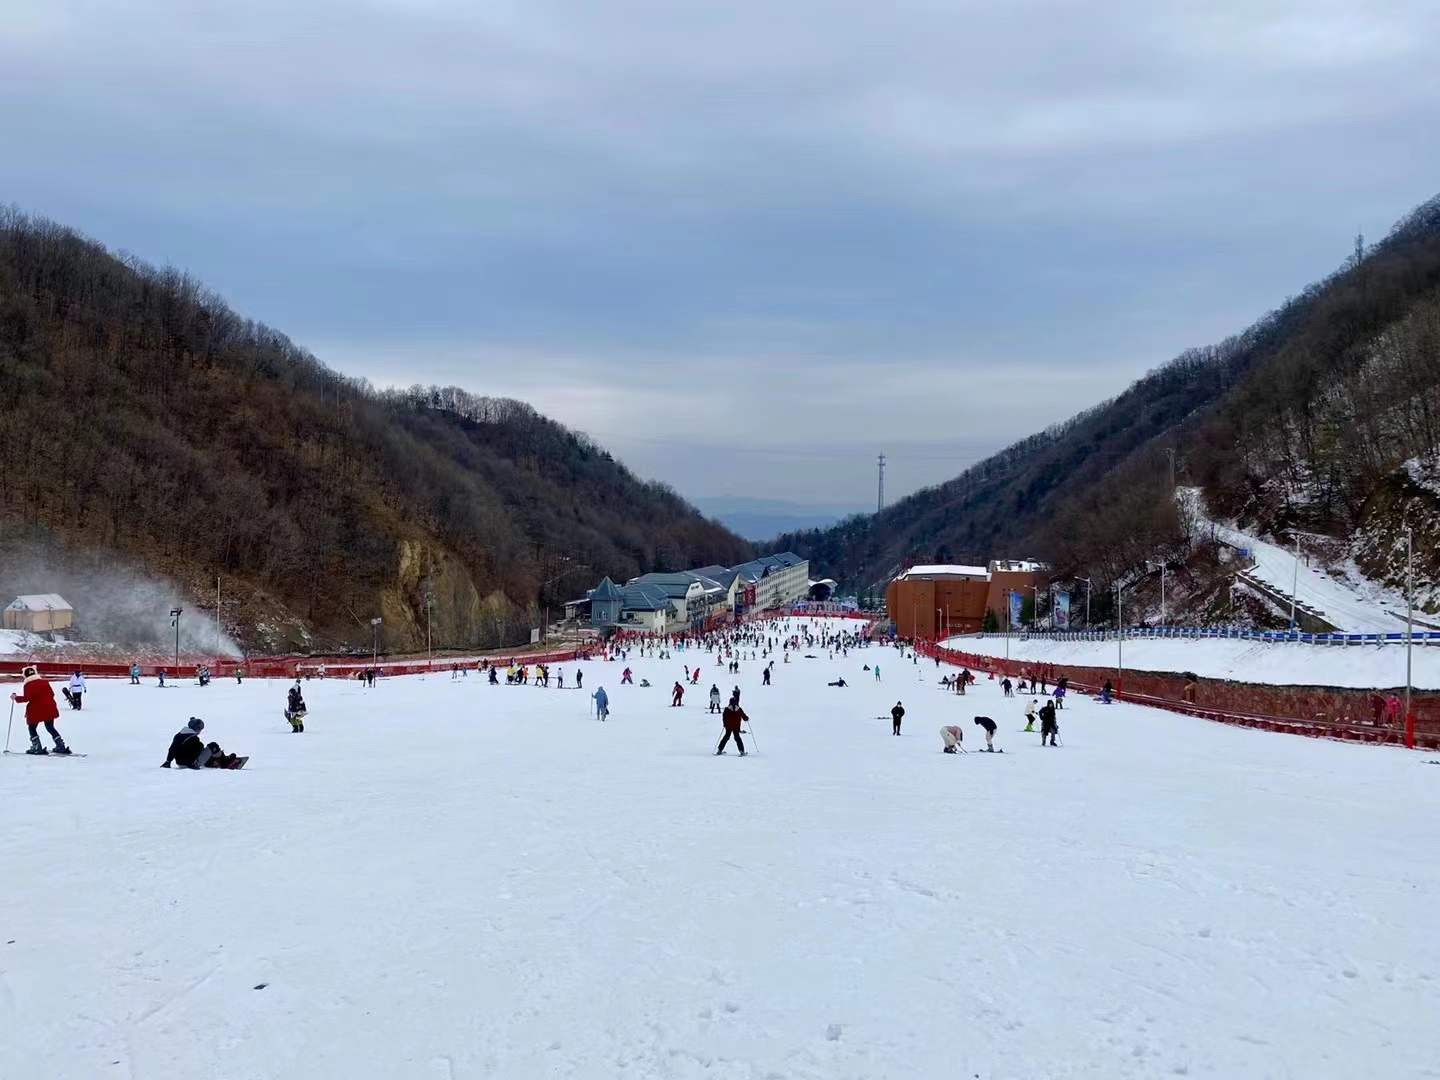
(75, 692)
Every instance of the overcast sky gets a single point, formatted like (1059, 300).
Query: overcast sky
(747, 245)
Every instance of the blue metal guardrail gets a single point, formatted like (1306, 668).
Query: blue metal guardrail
(1196, 633)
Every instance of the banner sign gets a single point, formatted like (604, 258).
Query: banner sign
(1015, 602)
(1061, 615)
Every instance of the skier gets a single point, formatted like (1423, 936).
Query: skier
(75, 692)
(877, 672)
(731, 718)
(40, 708)
(677, 695)
(714, 698)
(765, 675)
(625, 678)
(896, 715)
(602, 703)
(295, 709)
(161, 675)
(579, 679)
(951, 736)
(1030, 715)
(187, 751)
(1105, 692)
(1049, 728)
(989, 726)
(134, 674)
(1006, 686)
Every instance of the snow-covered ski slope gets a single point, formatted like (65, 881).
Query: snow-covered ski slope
(1352, 605)
(448, 879)
(1285, 663)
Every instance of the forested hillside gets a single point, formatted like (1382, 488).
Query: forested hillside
(1305, 420)
(142, 418)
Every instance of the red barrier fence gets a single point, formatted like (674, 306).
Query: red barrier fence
(1319, 711)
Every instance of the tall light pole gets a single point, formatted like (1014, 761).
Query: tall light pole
(1409, 614)
(1035, 615)
(1119, 630)
(375, 641)
(217, 616)
(1295, 583)
(175, 622)
(1008, 593)
(1086, 580)
(429, 651)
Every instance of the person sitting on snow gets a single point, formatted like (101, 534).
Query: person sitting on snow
(189, 752)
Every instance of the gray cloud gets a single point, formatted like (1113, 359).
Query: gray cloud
(747, 245)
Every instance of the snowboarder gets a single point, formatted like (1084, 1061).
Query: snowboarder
(677, 695)
(1106, 691)
(877, 672)
(1049, 728)
(1030, 715)
(838, 682)
(160, 674)
(989, 726)
(189, 752)
(40, 708)
(896, 715)
(602, 703)
(494, 678)
(75, 692)
(295, 708)
(579, 680)
(765, 675)
(134, 674)
(731, 718)
(714, 698)
(951, 736)
(1006, 686)
(625, 678)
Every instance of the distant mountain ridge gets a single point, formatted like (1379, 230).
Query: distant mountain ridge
(760, 519)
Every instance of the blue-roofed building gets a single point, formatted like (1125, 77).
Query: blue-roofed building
(666, 602)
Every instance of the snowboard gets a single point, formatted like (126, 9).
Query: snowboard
(239, 763)
(22, 753)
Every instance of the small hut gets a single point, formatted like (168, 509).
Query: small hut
(40, 614)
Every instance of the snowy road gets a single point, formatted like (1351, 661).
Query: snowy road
(451, 880)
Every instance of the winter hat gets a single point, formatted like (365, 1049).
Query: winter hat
(196, 724)
(28, 670)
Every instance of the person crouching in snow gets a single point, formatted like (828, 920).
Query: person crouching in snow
(732, 718)
(989, 726)
(896, 715)
(677, 695)
(295, 709)
(714, 698)
(951, 736)
(40, 708)
(1030, 715)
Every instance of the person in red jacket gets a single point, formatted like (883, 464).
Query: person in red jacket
(40, 708)
(677, 695)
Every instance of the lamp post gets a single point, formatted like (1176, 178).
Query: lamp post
(1119, 631)
(175, 614)
(1295, 583)
(1008, 593)
(1086, 580)
(375, 641)
(1035, 615)
(1409, 618)
(429, 651)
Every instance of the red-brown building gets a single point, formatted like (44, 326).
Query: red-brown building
(936, 601)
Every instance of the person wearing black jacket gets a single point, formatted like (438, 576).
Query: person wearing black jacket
(989, 726)
(295, 708)
(1049, 727)
(189, 752)
(896, 715)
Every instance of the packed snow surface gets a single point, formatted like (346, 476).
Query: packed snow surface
(1287, 663)
(1352, 603)
(448, 879)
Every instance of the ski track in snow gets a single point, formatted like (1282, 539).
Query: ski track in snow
(451, 880)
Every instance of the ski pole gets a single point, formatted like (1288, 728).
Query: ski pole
(7, 725)
(751, 732)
